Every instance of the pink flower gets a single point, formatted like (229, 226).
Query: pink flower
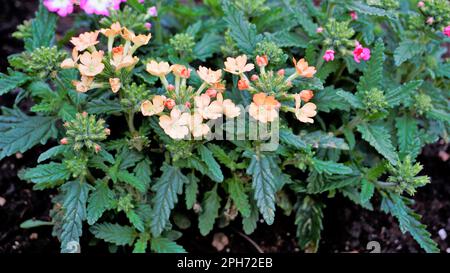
(100, 7)
(421, 4)
(61, 7)
(447, 31)
(354, 15)
(319, 30)
(148, 25)
(430, 20)
(153, 12)
(361, 53)
(329, 55)
(141, 1)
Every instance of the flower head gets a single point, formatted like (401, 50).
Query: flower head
(158, 69)
(230, 110)
(181, 71)
(175, 125)
(303, 69)
(209, 76)
(84, 85)
(447, 31)
(153, 11)
(305, 113)
(243, 84)
(91, 63)
(115, 84)
(264, 108)
(306, 95)
(85, 40)
(361, 53)
(119, 60)
(99, 7)
(329, 55)
(196, 125)
(238, 65)
(113, 31)
(354, 15)
(71, 62)
(61, 7)
(207, 109)
(262, 60)
(154, 107)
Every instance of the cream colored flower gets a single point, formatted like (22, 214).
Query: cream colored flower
(306, 112)
(229, 109)
(158, 69)
(115, 84)
(176, 126)
(141, 39)
(71, 62)
(209, 76)
(180, 71)
(154, 107)
(91, 63)
(205, 109)
(113, 31)
(127, 34)
(196, 125)
(264, 108)
(85, 40)
(238, 65)
(84, 85)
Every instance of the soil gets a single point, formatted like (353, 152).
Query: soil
(347, 227)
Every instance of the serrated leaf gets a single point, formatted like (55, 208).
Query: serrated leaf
(439, 114)
(402, 94)
(373, 74)
(380, 138)
(409, 220)
(47, 175)
(100, 200)
(250, 223)
(43, 29)
(363, 8)
(330, 167)
(10, 82)
(327, 100)
(103, 106)
(367, 190)
(207, 46)
(164, 245)
(350, 98)
(191, 191)
(309, 223)
(286, 136)
(141, 244)
(132, 180)
(407, 49)
(215, 173)
(114, 233)
(51, 153)
(318, 183)
(21, 132)
(222, 156)
(210, 211)
(284, 38)
(264, 186)
(168, 186)
(143, 171)
(74, 207)
(324, 140)
(135, 219)
(407, 136)
(239, 196)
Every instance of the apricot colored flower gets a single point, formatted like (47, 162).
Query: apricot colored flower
(115, 84)
(85, 40)
(229, 109)
(91, 63)
(264, 108)
(303, 69)
(158, 69)
(207, 109)
(154, 107)
(208, 75)
(262, 60)
(176, 126)
(71, 62)
(196, 125)
(113, 31)
(61, 7)
(84, 85)
(306, 112)
(243, 84)
(306, 95)
(238, 65)
(119, 60)
(181, 71)
(141, 39)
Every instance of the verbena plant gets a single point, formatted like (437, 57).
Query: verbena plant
(126, 113)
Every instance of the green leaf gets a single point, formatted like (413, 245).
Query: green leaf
(250, 223)
(215, 173)
(191, 191)
(439, 114)
(409, 220)
(51, 153)
(367, 190)
(351, 99)
(242, 32)
(103, 106)
(31, 223)
(318, 183)
(264, 186)
(46, 176)
(222, 156)
(309, 223)
(74, 207)
(210, 211)
(324, 140)
(132, 180)
(239, 196)
(43, 29)
(330, 167)
(8, 83)
(402, 94)
(284, 38)
(164, 245)
(207, 46)
(136, 220)
(141, 244)
(290, 139)
(408, 49)
(379, 137)
(114, 233)
(407, 136)
(327, 100)
(363, 8)
(137, 5)
(167, 187)
(100, 200)
(373, 74)
(143, 171)
(302, 18)
(21, 132)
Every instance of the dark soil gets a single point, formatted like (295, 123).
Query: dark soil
(347, 227)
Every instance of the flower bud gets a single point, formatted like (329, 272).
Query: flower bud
(170, 87)
(262, 60)
(169, 104)
(187, 104)
(84, 114)
(319, 30)
(97, 148)
(243, 84)
(306, 95)
(421, 4)
(281, 72)
(148, 25)
(430, 20)
(107, 131)
(254, 78)
(353, 15)
(153, 12)
(211, 93)
(64, 141)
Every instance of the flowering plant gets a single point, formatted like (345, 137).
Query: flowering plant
(139, 120)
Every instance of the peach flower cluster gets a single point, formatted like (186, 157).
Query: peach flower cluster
(91, 62)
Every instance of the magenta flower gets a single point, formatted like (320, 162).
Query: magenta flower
(148, 25)
(329, 55)
(100, 7)
(153, 12)
(447, 31)
(319, 30)
(361, 53)
(61, 7)
(354, 15)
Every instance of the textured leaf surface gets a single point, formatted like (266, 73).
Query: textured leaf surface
(100, 200)
(330, 167)
(10, 82)
(43, 29)
(114, 233)
(210, 211)
(309, 223)
(378, 136)
(373, 74)
(239, 196)
(164, 245)
(406, 50)
(214, 168)
(46, 175)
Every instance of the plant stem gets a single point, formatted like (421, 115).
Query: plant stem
(352, 124)
(130, 122)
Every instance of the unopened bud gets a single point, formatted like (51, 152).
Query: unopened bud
(170, 87)
(211, 92)
(281, 72)
(254, 78)
(97, 148)
(107, 131)
(169, 104)
(64, 141)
